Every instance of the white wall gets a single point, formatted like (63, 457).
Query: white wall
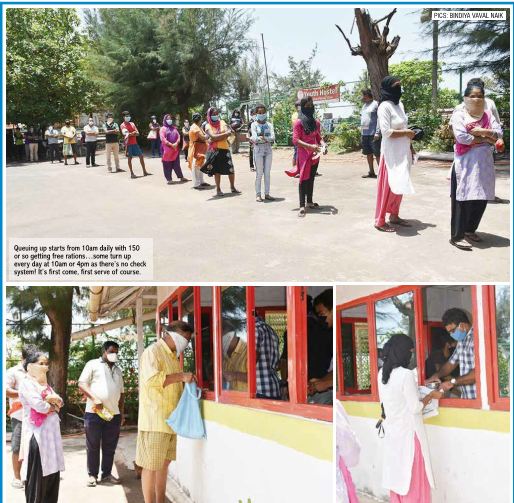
(470, 466)
(231, 465)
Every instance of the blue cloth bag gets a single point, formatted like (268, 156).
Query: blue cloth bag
(186, 420)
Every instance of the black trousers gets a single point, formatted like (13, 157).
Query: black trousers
(55, 153)
(101, 435)
(90, 152)
(19, 151)
(306, 188)
(466, 215)
(39, 489)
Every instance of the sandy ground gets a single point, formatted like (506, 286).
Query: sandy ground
(198, 237)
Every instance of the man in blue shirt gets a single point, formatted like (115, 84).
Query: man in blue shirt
(370, 132)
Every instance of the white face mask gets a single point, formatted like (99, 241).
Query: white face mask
(110, 120)
(91, 123)
(112, 357)
(127, 118)
(180, 341)
(38, 372)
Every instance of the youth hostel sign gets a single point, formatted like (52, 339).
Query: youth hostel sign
(326, 94)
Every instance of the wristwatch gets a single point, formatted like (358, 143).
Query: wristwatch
(453, 381)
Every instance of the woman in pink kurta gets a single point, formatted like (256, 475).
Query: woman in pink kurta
(170, 142)
(307, 139)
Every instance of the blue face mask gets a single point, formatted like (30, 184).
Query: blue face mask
(262, 117)
(458, 334)
(169, 122)
(215, 118)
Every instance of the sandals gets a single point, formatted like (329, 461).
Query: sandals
(385, 228)
(461, 244)
(259, 199)
(313, 205)
(473, 236)
(219, 193)
(369, 175)
(235, 191)
(301, 213)
(269, 198)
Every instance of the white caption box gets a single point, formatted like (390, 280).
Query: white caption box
(80, 259)
(469, 15)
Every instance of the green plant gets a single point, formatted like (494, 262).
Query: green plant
(345, 138)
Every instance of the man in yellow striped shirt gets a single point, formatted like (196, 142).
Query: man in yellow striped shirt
(160, 387)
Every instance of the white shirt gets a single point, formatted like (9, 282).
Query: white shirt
(396, 151)
(403, 410)
(47, 435)
(105, 382)
(88, 130)
(13, 378)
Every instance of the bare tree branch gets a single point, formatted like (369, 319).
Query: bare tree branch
(356, 51)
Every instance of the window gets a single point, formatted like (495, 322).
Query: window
(355, 350)
(174, 310)
(234, 338)
(394, 315)
(163, 320)
(497, 324)
(206, 338)
(187, 315)
(249, 340)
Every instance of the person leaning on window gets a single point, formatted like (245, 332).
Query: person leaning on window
(457, 324)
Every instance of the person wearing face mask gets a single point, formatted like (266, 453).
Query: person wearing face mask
(263, 137)
(32, 138)
(396, 157)
(91, 141)
(370, 133)
(236, 123)
(457, 324)
(185, 138)
(250, 141)
(307, 138)
(52, 137)
(112, 145)
(42, 451)
(160, 387)
(407, 469)
(218, 160)
(197, 150)
(101, 382)
(130, 132)
(473, 176)
(69, 147)
(153, 136)
(319, 349)
(170, 141)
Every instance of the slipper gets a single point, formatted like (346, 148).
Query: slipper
(219, 193)
(385, 228)
(401, 222)
(473, 236)
(461, 244)
(235, 191)
(313, 205)
(301, 213)
(369, 175)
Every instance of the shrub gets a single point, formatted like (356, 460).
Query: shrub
(345, 138)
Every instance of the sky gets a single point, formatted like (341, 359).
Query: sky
(296, 31)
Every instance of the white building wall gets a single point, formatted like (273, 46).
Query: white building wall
(230, 466)
(470, 466)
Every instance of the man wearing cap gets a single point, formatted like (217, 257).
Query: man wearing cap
(160, 387)
(112, 146)
(154, 137)
(69, 147)
(130, 132)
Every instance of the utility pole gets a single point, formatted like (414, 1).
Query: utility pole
(435, 63)
(267, 77)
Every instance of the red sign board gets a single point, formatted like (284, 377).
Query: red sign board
(325, 94)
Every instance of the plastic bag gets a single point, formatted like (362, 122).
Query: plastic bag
(186, 420)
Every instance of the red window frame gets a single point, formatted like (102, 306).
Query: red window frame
(421, 345)
(496, 402)
(296, 307)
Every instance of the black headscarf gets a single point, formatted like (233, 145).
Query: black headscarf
(306, 116)
(396, 353)
(388, 92)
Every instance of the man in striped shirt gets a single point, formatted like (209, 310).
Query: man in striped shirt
(266, 347)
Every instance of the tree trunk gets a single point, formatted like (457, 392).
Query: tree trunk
(58, 308)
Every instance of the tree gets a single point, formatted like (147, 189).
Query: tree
(45, 66)
(426, 16)
(301, 75)
(173, 60)
(247, 78)
(483, 45)
(374, 46)
(38, 303)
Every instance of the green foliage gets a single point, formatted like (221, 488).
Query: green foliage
(345, 138)
(282, 112)
(166, 60)
(45, 63)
